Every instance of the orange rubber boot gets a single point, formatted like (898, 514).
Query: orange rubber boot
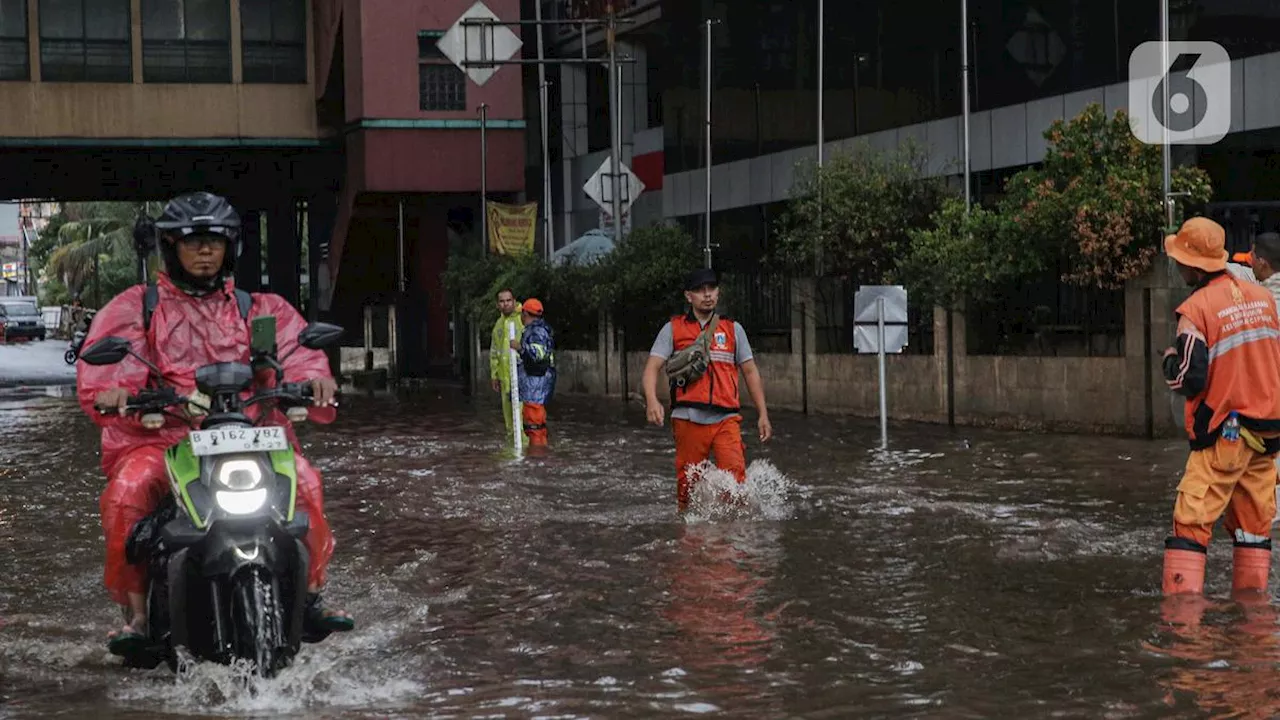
(1183, 571)
(1250, 567)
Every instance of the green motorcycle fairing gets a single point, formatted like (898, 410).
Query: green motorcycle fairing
(184, 469)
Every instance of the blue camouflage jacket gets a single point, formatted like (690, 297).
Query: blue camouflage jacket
(537, 363)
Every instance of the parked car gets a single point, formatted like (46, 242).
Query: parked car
(20, 319)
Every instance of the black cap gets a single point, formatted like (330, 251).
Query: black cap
(700, 277)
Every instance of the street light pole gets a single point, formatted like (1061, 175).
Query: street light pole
(821, 85)
(1166, 154)
(964, 79)
(706, 240)
(615, 151)
(543, 101)
(484, 178)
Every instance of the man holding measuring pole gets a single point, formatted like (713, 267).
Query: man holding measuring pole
(500, 362)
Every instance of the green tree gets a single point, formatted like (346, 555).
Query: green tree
(857, 212)
(92, 242)
(1094, 206)
(964, 255)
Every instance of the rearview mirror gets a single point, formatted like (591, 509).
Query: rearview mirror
(319, 335)
(107, 351)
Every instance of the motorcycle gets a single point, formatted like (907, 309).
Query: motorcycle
(77, 341)
(226, 563)
(73, 349)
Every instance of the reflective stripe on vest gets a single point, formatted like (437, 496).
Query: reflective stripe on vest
(1242, 333)
(717, 389)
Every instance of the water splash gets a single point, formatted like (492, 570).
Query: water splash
(316, 681)
(717, 496)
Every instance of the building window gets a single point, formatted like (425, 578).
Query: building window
(13, 40)
(274, 36)
(186, 41)
(85, 41)
(442, 86)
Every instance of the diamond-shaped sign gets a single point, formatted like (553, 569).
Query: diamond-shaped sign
(469, 45)
(600, 187)
(1037, 47)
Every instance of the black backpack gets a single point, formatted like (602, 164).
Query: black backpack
(244, 301)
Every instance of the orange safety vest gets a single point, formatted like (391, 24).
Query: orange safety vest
(1242, 332)
(717, 388)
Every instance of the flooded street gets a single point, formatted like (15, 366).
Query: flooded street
(963, 574)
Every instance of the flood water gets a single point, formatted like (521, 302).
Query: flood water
(963, 574)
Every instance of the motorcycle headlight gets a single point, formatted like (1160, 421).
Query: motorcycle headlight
(238, 474)
(241, 503)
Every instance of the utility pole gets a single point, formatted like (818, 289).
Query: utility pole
(1166, 152)
(706, 241)
(543, 101)
(484, 178)
(964, 79)
(615, 111)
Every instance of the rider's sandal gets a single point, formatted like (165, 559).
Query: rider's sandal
(318, 622)
(129, 644)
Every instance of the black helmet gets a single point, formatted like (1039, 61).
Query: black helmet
(198, 212)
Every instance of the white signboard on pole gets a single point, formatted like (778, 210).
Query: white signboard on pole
(477, 38)
(600, 188)
(880, 317)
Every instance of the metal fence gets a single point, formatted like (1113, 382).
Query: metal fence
(1047, 319)
(761, 303)
(833, 319)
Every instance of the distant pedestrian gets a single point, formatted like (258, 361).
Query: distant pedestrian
(537, 370)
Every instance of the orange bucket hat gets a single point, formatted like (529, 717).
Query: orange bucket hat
(533, 306)
(1201, 243)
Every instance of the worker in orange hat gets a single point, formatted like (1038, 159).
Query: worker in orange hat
(536, 365)
(703, 353)
(1226, 361)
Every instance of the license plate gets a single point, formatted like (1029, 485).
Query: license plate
(221, 441)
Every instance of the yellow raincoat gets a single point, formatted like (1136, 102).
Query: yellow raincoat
(500, 358)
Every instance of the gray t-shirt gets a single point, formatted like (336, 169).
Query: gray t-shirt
(664, 346)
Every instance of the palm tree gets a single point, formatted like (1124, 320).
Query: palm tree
(93, 230)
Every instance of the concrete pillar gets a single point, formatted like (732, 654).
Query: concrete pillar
(283, 253)
(804, 335)
(1143, 345)
(960, 348)
(249, 264)
(322, 213)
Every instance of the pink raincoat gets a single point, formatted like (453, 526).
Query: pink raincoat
(186, 333)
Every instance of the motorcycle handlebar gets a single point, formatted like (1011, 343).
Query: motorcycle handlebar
(148, 401)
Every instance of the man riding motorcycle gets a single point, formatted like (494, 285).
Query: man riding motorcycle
(191, 317)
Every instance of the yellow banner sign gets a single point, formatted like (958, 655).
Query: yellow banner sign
(512, 228)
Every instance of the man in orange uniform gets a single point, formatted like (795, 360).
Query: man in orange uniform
(1226, 361)
(706, 415)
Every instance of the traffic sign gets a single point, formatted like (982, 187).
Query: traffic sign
(477, 38)
(600, 187)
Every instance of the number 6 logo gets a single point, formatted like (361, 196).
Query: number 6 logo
(1198, 80)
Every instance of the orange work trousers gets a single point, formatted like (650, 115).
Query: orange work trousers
(535, 423)
(695, 443)
(1232, 477)
(138, 484)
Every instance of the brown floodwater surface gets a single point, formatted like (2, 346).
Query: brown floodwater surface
(962, 574)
